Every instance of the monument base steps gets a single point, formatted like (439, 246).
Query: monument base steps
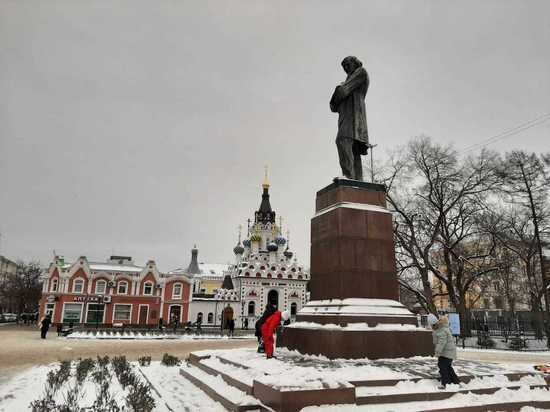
(246, 371)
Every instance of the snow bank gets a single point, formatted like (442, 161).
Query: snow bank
(459, 400)
(127, 335)
(430, 385)
(355, 326)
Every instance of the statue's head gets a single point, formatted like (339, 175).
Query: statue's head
(351, 63)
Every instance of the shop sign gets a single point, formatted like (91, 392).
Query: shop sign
(87, 298)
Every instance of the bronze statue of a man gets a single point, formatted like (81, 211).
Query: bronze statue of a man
(348, 100)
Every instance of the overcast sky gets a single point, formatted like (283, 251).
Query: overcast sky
(141, 128)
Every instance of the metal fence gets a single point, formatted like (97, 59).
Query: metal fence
(521, 332)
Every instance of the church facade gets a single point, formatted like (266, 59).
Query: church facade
(264, 272)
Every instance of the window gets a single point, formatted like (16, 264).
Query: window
(176, 292)
(251, 308)
(148, 288)
(122, 288)
(54, 285)
(293, 309)
(78, 286)
(72, 312)
(122, 312)
(210, 317)
(100, 286)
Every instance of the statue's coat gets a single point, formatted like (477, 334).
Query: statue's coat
(349, 101)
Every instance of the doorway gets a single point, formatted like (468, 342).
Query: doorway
(227, 316)
(174, 314)
(273, 298)
(143, 312)
(95, 313)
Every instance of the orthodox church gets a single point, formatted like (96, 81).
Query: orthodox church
(264, 271)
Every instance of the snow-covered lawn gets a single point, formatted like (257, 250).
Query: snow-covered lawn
(130, 335)
(176, 393)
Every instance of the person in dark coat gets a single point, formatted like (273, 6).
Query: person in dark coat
(246, 323)
(270, 309)
(231, 325)
(45, 325)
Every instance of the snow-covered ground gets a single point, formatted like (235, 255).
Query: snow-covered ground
(290, 371)
(176, 393)
(458, 400)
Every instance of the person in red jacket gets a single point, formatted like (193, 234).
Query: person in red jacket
(268, 330)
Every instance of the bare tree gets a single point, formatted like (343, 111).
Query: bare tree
(24, 287)
(436, 198)
(526, 181)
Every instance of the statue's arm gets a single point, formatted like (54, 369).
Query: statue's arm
(357, 78)
(334, 101)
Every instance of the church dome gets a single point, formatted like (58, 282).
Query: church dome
(280, 240)
(288, 254)
(272, 247)
(238, 250)
(246, 243)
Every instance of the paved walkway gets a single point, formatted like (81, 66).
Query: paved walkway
(504, 356)
(21, 347)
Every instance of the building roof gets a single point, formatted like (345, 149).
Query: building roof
(114, 267)
(216, 270)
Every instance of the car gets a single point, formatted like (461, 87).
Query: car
(10, 317)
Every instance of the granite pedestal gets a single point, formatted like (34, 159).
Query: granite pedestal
(354, 311)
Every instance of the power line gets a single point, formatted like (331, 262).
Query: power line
(509, 132)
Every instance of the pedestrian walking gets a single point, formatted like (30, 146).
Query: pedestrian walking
(246, 323)
(45, 325)
(269, 328)
(231, 327)
(175, 322)
(445, 349)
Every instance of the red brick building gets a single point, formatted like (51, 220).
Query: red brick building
(114, 292)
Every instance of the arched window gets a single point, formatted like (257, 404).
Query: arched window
(176, 292)
(251, 308)
(199, 317)
(293, 309)
(78, 285)
(148, 288)
(210, 317)
(122, 288)
(54, 285)
(100, 287)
